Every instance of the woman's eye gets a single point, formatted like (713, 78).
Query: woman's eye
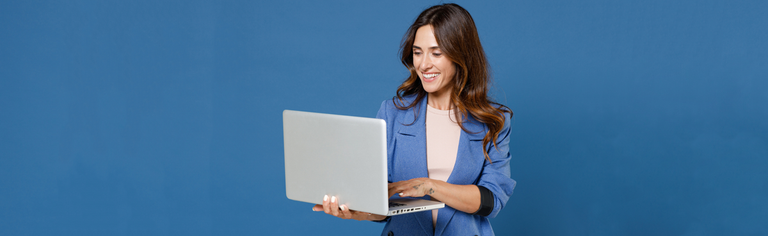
(437, 54)
(416, 53)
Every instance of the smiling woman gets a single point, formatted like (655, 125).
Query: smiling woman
(435, 69)
(446, 140)
(449, 33)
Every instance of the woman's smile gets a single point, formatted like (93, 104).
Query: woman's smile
(429, 77)
(432, 64)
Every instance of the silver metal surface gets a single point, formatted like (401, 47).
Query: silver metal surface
(411, 205)
(336, 155)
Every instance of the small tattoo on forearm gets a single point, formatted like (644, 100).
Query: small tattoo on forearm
(431, 191)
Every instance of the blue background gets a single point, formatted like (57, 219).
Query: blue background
(164, 117)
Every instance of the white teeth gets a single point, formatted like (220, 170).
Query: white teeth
(430, 75)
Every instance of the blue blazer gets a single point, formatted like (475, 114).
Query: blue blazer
(407, 152)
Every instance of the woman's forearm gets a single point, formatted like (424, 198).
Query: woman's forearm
(464, 198)
(374, 217)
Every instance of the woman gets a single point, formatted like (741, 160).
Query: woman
(446, 140)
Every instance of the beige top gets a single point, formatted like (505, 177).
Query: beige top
(443, 135)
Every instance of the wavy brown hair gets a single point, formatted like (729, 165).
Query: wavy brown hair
(457, 38)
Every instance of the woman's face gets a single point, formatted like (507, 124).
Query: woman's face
(434, 68)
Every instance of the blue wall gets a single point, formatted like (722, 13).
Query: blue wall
(157, 118)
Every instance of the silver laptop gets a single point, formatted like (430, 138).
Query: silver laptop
(342, 156)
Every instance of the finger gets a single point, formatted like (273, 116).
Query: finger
(405, 193)
(394, 188)
(413, 190)
(326, 205)
(399, 189)
(345, 213)
(317, 207)
(334, 206)
(391, 192)
(396, 185)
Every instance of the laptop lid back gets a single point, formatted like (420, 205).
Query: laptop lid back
(336, 155)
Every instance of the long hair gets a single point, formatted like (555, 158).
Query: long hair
(456, 35)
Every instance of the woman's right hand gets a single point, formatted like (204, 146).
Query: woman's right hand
(331, 206)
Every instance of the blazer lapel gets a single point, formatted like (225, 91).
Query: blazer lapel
(469, 163)
(412, 154)
(444, 216)
(411, 145)
(469, 156)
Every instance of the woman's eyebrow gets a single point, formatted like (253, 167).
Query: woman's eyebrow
(433, 47)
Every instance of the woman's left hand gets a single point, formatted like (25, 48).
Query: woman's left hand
(331, 206)
(417, 187)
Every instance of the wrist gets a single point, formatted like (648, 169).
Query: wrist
(431, 186)
(374, 217)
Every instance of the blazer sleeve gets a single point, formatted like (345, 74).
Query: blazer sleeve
(386, 106)
(382, 114)
(495, 175)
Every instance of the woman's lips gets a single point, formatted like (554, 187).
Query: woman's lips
(430, 77)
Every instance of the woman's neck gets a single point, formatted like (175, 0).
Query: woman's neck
(441, 101)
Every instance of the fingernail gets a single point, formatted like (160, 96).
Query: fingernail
(313, 209)
(342, 207)
(333, 199)
(325, 198)
(401, 194)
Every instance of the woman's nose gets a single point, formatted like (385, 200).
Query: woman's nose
(425, 64)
